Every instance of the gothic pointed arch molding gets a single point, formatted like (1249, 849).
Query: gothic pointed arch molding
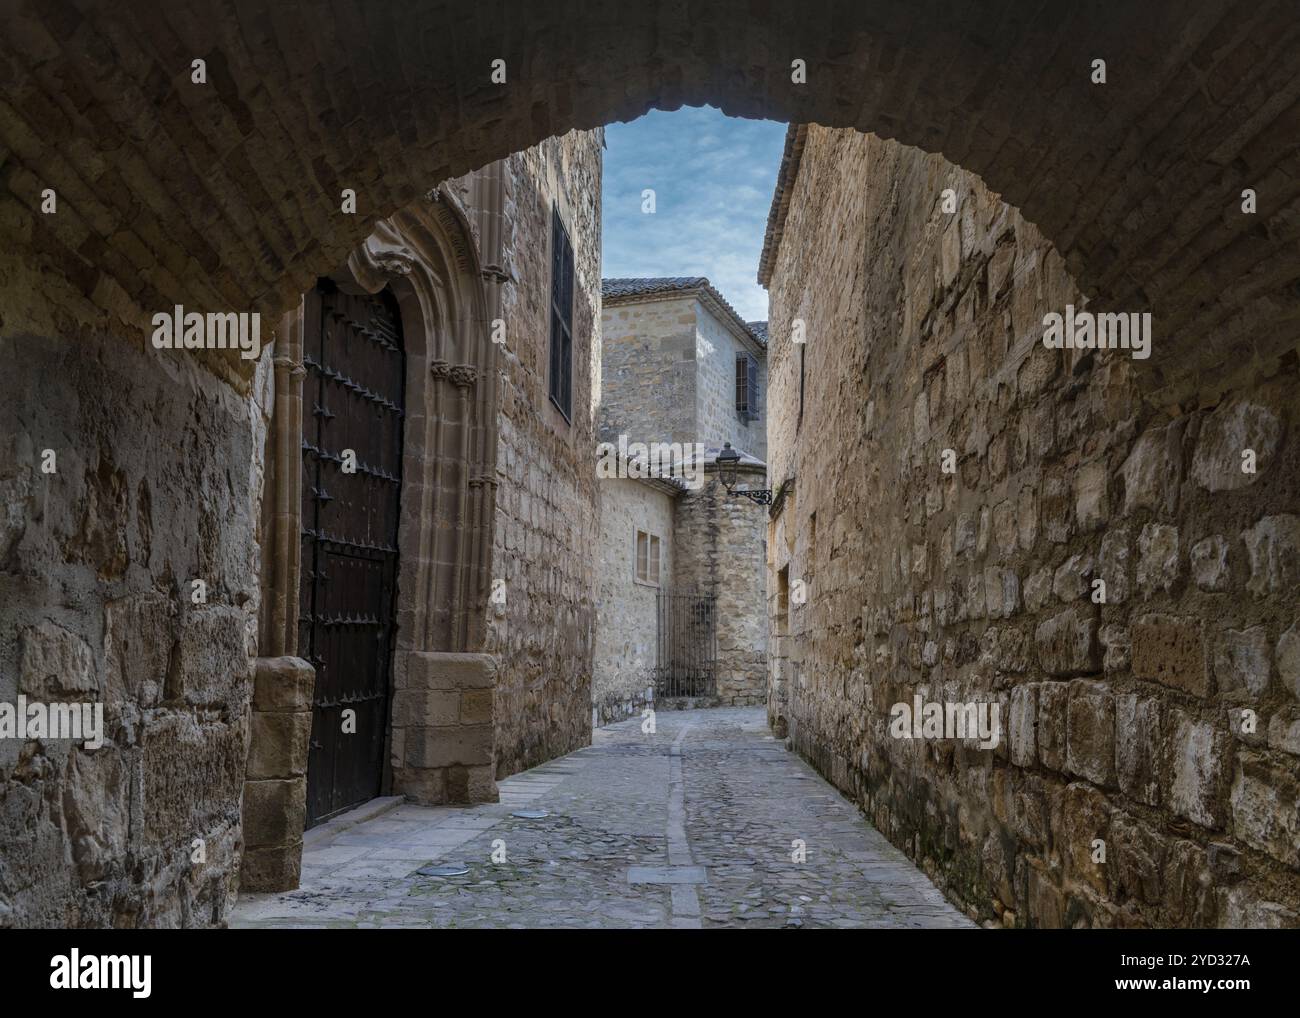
(427, 255)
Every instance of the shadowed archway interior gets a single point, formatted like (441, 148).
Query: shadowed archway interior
(227, 193)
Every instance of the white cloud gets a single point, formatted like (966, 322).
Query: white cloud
(713, 178)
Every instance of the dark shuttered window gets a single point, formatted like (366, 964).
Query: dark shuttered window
(561, 317)
(747, 387)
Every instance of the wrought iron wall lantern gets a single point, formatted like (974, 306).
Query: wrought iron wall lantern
(728, 474)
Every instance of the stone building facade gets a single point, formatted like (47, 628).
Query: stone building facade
(952, 492)
(130, 472)
(546, 526)
(636, 521)
(671, 352)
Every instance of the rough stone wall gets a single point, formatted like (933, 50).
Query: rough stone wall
(546, 525)
(721, 550)
(715, 390)
(626, 609)
(648, 367)
(1123, 721)
(157, 472)
(233, 200)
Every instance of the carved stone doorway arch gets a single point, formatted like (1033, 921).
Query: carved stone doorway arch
(440, 738)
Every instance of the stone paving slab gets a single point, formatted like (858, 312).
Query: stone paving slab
(695, 826)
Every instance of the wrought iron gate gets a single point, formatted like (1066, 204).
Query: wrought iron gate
(351, 486)
(687, 656)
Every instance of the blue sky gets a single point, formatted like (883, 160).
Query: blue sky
(713, 178)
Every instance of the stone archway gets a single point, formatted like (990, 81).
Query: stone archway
(232, 198)
(427, 256)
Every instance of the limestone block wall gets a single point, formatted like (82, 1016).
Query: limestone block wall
(546, 524)
(648, 368)
(715, 392)
(1162, 723)
(720, 547)
(626, 609)
(157, 466)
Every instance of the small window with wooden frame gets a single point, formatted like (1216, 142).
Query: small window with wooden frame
(647, 558)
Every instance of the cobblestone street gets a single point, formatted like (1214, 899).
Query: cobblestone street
(691, 827)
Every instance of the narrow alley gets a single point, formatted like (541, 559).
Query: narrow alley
(696, 825)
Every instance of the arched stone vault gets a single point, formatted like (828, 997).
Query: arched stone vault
(228, 194)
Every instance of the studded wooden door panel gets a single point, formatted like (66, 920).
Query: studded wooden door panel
(352, 482)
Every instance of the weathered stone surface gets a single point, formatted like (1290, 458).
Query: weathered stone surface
(1266, 807)
(1090, 732)
(1210, 563)
(1171, 650)
(1092, 507)
(1084, 819)
(1288, 660)
(1117, 648)
(1246, 726)
(1072, 579)
(1137, 856)
(1153, 471)
(1284, 731)
(275, 811)
(1200, 762)
(1021, 723)
(283, 684)
(1139, 747)
(1067, 642)
(1189, 885)
(1236, 427)
(279, 743)
(546, 523)
(98, 812)
(1102, 474)
(156, 483)
(1038, 589)
(1243, 909)
(1045, 904)
(1114, 565)
(212, 663)
(139, 634)
(1158, 559)
(1053, 703)
(444, 747)
(270, 869)
(55, 664)
(1243, 662)
(1273, 549)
